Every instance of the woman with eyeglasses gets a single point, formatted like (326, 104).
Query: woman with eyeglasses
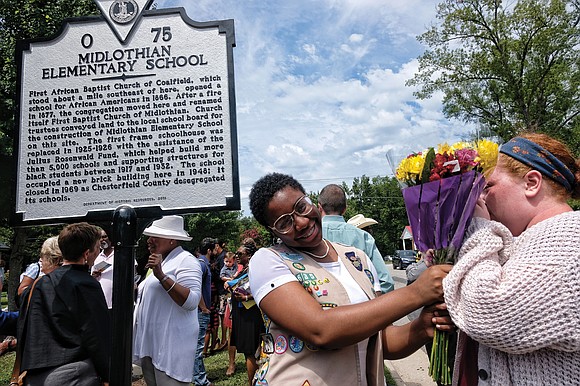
(247, 323)
(326, 326)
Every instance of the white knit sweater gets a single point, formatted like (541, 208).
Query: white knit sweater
(518, 297)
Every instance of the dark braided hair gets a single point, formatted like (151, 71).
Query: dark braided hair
(250, 246)
(265, 188)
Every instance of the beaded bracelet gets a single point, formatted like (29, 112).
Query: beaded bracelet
(170, 288)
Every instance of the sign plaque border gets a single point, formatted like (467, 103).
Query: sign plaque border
(224, 27)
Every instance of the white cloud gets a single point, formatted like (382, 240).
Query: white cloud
(310, 49)
(320, 86)
(356, 38)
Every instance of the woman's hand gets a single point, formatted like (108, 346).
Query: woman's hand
(435, 316)
(429, 285)
(154, 262)
(481, 209)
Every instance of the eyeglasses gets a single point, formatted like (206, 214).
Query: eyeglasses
(285, 223)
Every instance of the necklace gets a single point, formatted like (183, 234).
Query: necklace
(320, 256)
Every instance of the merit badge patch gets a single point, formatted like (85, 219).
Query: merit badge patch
(267, 343)
(299, 266)
(370, 276)
(307, 278)
(311, 347)
(280, 345)
(296, 345)
(355, 260)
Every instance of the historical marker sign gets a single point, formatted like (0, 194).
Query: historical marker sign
(142, 115)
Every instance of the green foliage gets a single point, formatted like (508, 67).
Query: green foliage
(428, 165)
(229, 227)
(217, 364)
(253, 229)
(224, 226)
(506, 65)
(6, 364)
(35, 237)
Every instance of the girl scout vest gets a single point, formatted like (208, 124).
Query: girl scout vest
(293, 362)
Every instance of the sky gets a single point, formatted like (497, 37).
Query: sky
(320, 86)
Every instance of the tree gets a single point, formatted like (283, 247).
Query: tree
(506, 66)
(224, 226)
(251, 228)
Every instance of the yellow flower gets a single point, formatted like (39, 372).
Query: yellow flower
(461, 145)
(443, 148)
(410, 168)
(487, 154)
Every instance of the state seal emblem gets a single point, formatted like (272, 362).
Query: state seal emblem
(123, 11)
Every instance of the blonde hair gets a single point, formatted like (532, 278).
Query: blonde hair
(51, 252)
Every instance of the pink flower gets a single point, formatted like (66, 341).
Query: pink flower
(466, 158)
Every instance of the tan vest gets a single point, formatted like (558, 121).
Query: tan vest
(291, 361)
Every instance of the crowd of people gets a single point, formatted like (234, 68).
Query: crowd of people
(318, 306)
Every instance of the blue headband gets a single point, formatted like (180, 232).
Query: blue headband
(540, 159)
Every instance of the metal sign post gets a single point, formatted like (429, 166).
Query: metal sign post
(127, 227)
(125, 234)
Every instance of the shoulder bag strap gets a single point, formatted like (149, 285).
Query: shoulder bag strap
(38, 274)
(20, 342)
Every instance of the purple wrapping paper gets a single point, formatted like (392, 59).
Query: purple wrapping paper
(439, 211)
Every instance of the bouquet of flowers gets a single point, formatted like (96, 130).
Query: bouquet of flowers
(442, 188)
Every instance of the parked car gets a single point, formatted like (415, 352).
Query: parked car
(403, 258)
